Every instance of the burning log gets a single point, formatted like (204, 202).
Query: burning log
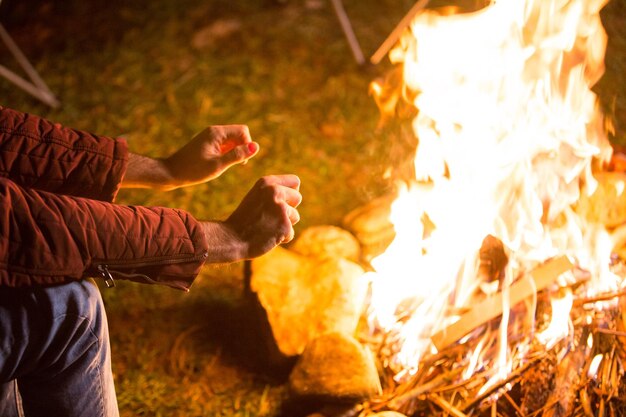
(537, 280)
(538, 383)
(568, 380)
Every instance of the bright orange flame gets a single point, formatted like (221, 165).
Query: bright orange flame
(508, 130)
(559, 325)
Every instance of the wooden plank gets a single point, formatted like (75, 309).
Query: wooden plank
(490, 308)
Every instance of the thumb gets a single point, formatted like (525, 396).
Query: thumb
(240, 153)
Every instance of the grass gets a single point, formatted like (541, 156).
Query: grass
(130, 69)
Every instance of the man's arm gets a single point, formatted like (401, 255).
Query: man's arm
(205, 157)
(37, 153)
(50, 239)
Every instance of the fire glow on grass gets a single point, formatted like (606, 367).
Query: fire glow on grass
(508, 132)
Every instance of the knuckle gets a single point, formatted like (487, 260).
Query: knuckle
(279, 197)
(214, 130)
(263, 182)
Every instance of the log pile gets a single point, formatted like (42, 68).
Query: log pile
(560, 382)
(581, 376)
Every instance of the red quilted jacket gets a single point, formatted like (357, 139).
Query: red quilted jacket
(57, 222)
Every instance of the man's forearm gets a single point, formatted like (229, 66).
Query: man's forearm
(205, 157)
(146, 172)
(50, 239)
(223, 243)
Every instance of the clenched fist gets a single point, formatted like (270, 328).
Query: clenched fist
(263, 220)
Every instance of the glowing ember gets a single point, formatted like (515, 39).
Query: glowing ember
(508, 132)
(595, 364)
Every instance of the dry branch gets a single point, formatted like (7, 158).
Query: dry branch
(398, 401)
(568, 378)
(510, 379)
(395, 34)
(538, 279)
(446, 406)
(600, 297)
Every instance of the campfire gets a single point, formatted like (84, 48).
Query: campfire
(498, 290)
(499, 294)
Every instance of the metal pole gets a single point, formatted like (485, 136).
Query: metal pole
(38, 87)
(347, 30)
(30, 88)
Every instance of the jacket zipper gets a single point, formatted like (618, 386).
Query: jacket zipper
(106, 275)
(103, 268)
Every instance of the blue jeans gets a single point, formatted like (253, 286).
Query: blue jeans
(54, 353)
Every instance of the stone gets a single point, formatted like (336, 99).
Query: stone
(370, 218)
(323, 241)
(305, 297)
(335, 368)
(371, 226)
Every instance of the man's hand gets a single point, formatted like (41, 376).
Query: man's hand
(205, 157)
(210, 153)
(263, 220)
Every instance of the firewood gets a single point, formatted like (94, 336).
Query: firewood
(568, 381)
(538, 383)
(621, 326)
(446, 406)
(599, 297)
(513, 404)
(511, 378)
(424, 388)
(537, 280)
(397, 32)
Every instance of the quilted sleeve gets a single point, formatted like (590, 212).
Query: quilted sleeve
(37, 153)
(50, 239)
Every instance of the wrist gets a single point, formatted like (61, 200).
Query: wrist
(224, 245)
